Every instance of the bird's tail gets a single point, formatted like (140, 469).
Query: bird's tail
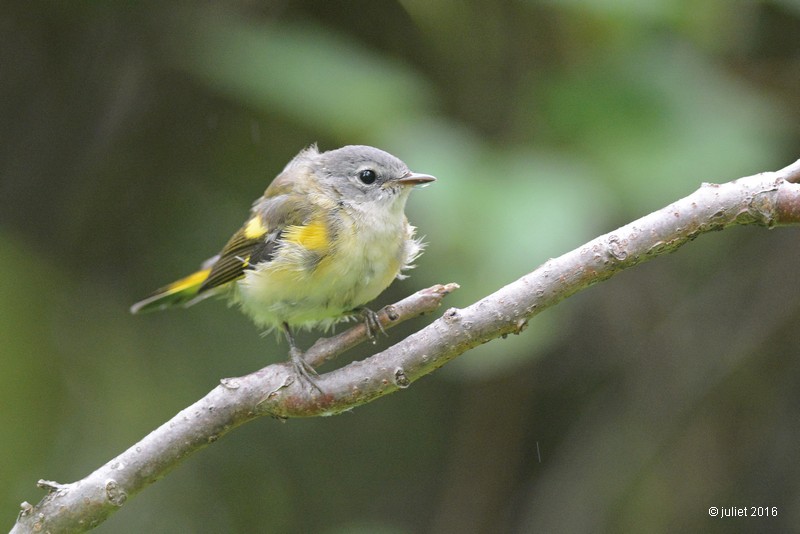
(183, 292)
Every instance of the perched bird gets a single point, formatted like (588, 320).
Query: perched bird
(328, 236)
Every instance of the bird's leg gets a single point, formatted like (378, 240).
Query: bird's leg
(372, 323)
(301, 366)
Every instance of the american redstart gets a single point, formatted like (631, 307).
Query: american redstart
(328, 236)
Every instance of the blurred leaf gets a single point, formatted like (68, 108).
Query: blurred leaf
(660, 122)
(309, 73)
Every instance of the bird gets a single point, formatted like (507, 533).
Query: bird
(328, 236)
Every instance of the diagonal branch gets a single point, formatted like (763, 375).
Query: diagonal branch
(767, 199)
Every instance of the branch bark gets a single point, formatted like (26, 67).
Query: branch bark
(767, 199)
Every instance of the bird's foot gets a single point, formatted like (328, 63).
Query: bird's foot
(303, 368)
(373, 324)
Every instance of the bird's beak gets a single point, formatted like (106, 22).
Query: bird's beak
(414, 178)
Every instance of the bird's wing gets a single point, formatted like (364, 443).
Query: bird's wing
(273, 219)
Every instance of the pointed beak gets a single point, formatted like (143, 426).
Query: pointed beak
(414, 178)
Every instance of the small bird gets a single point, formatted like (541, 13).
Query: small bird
(328, 236)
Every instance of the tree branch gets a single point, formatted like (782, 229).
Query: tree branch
(767, 199)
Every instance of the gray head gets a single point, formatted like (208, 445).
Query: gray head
(363, 174)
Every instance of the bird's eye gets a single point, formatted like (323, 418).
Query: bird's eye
(367, 176)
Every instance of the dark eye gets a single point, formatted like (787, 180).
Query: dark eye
(367, 176)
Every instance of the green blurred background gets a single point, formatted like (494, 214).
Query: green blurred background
(133, 139)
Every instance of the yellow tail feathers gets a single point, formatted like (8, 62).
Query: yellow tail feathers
(182, 292)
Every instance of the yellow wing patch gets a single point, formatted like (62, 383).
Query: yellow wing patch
(194, 279)
(312, 236)
(179, 293)
(254, 228)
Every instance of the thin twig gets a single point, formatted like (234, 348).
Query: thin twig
(421, 302)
